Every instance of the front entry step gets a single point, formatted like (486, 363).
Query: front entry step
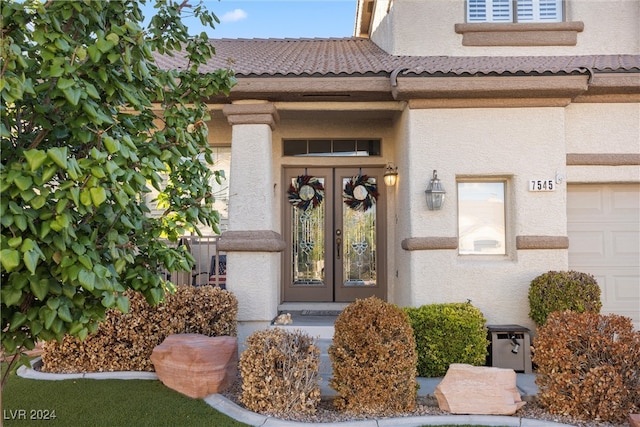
(315, 323)
(318, 324)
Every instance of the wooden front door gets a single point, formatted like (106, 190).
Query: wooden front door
(334, 226)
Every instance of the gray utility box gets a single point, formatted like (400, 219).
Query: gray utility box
(510, 347)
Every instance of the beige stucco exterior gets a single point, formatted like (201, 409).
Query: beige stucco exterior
(516, 144)
(481, 143)
(418, 27)
(567, 128)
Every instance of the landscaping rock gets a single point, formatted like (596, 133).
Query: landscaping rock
(468, 389)
(196, 365)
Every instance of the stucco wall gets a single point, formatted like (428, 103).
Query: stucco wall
(400, 291)
(418, 27)
(603, 129)
(516, 143)
(519, 144)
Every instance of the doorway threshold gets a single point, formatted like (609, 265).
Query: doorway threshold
(315, 319)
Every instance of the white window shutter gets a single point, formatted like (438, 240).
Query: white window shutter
(489, 11)
(539, 10)
(501, 11)
(550, 11)
(526, 11)
(476, 10)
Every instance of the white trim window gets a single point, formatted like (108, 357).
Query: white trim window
(502, 11)
(481, 218)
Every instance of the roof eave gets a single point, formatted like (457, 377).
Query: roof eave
(568, 86)
(619, 87)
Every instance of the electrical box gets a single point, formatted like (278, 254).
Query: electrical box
(510, 347)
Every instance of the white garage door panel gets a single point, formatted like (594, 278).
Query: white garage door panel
(625, 200)
(586, 243)
(626, 244)
(627, 288)
(604, 240)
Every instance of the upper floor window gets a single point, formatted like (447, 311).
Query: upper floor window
(503, 11)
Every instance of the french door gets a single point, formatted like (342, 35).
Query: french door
(334, 226)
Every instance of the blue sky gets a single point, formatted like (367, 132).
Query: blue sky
(277, 18)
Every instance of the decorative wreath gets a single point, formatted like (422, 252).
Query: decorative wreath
(306, 192)
(360, 193)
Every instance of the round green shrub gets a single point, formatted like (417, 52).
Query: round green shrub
(374, 359)
(446, 334)
(560, 291)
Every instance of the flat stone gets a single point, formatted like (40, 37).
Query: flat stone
(634, 420)
(196, 365)
(480, 390)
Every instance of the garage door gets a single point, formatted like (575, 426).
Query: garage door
(604, 240)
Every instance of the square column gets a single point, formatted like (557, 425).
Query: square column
(253, 246)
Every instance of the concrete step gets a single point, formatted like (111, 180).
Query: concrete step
(325, 368)
(318, 324)
(314, 331)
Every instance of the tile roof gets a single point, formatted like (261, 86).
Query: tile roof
(360, 56)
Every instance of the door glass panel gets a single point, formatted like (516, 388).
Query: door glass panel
(307, 230)
(359, 244)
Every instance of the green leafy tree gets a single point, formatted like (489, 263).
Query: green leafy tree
(89, 124)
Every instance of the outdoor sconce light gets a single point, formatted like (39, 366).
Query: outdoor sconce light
(390, 175)
(435, 193)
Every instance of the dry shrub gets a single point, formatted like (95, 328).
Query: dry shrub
(279, 371)
(588, 366)
(374, 359)
(124, 342)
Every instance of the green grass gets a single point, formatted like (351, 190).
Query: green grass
(108, 403)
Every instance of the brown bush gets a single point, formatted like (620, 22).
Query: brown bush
(124, 342)
(588, 366)
(279, 371)
(374, 359)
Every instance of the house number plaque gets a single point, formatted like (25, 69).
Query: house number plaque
(542, 185)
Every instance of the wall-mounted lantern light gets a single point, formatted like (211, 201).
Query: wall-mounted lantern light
(435, 193)
(390, 175)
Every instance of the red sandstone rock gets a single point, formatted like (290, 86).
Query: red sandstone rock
(196, 365)
(468, 389)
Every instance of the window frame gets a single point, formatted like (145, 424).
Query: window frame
(507, 11)
(506, 214)
(332, 147)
